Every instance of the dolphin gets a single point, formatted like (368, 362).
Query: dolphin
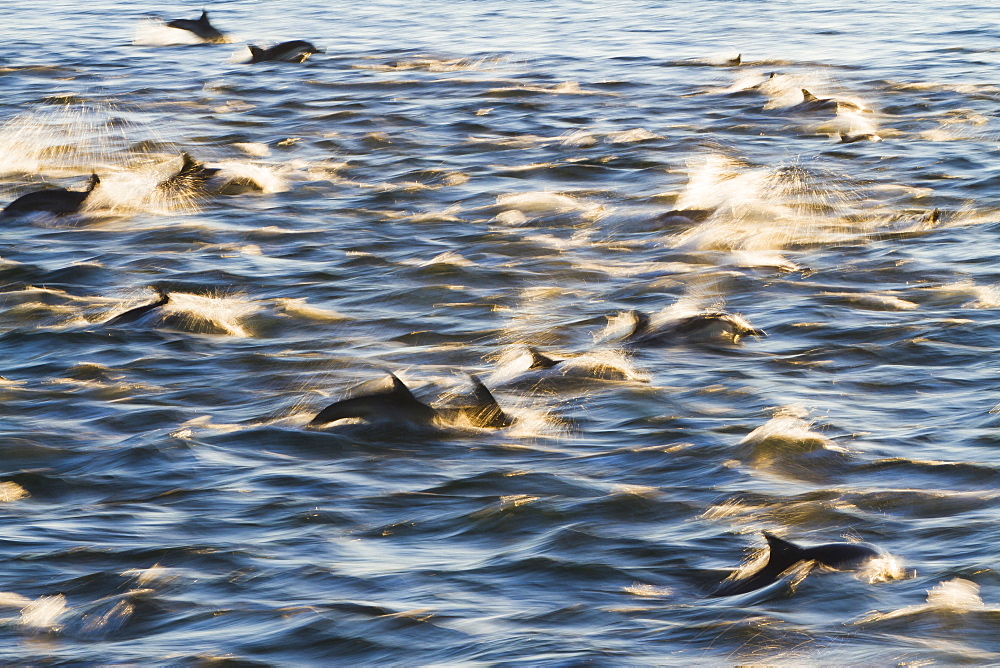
(134, 314)
(783, 554)
(295, 51)
(380, 399)
(812, 103)
(390, 399)
(191, 176)
(862, 136)
(705, 326)
(58, 201)
(200, 27)
(583, 369)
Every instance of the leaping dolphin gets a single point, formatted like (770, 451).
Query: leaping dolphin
(200, 27)
(783, 554)
(295, 51)
(58, 201)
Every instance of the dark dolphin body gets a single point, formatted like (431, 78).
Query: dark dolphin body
(295, 51)
(784, 554)
(386, 399)
(863, 136)
(134, 314)
(707, 325)
(191, 176)
(812, 103)
(200, 27)
(58, 201)
(390, 400)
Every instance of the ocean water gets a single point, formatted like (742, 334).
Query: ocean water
(445, 188)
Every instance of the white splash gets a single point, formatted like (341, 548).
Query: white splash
(254, 177)
(298, 308)
(956, 596)
(44, 612)
(222, 314)
(631, 136)
(11, 491)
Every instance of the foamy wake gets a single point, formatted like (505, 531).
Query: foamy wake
(754, 208)
(519, 208)
(951, 597)
(41, 614)
(209, 314)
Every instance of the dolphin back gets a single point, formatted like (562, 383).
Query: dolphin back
(387, 399)
(843, 556)
(134, 314)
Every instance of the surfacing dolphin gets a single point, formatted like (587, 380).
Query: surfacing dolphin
(783, 555)
(200, 27)
(134, 314)
(540, 361)
(58, 201)
(295, 51)
(705, 326)
(812, 103)
(389, 399)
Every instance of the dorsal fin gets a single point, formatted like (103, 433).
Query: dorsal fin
(782, 550)
(94, 180)
(808, 97)
(737, 60)
(398, 387)
(204, 16)
(255, 52)
(540, 361)
(486, 412)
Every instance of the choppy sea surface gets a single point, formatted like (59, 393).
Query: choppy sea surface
(444, 189)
